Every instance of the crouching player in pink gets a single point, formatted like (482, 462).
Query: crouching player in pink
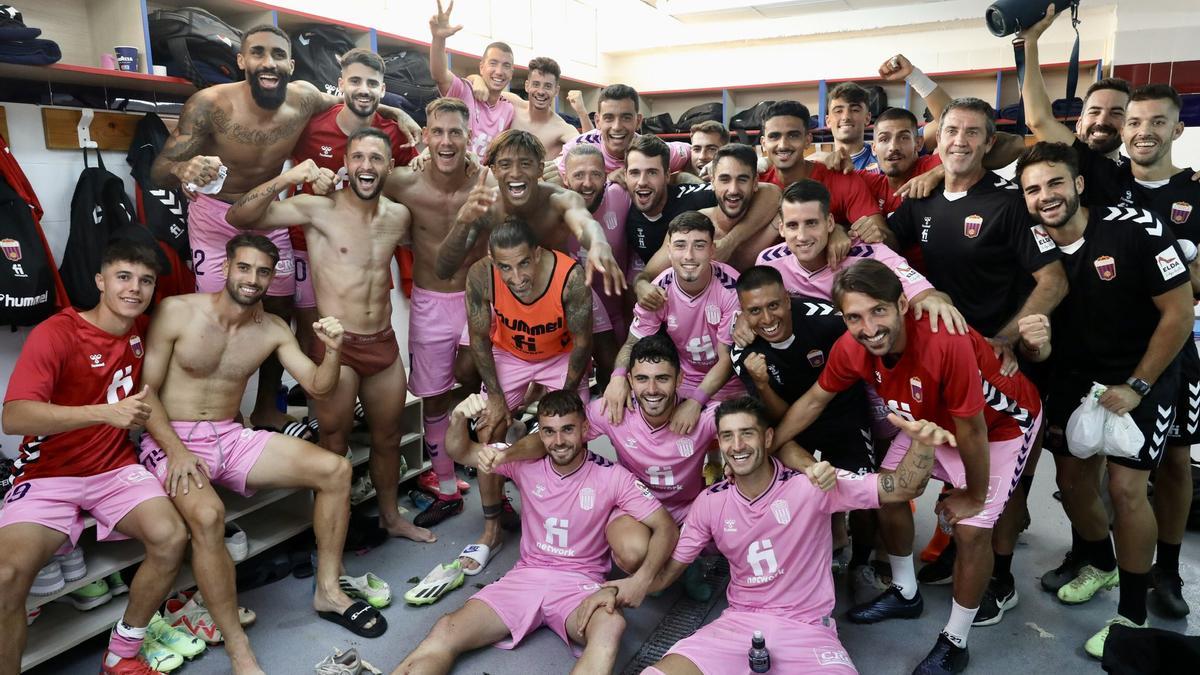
(772, 524)
(568, 498)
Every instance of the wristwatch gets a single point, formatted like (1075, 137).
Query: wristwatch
(1139, 385)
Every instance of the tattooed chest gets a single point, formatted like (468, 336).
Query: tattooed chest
(230, 130)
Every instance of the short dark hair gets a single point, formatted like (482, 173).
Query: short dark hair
(1157, 92)
(787, 109)
(120, 249)
(546, 66)
(1052, 153)
(516, 140)
(975, 105)
(691, 220)
(744, 404)
(619, 92)
(267, 28)
(869, 277)
(364, 57)
(849, 92)
(807, 190)
(651, 146)
(739, 151)
(513, 232)
(502, 46)
(711, 127)
(257, 242)
(758, 277)
(448, 104)
(369, 132)
(1113, 83)
(898, 114)
(560, 403)
(654, 349)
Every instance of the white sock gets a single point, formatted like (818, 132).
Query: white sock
(904, 575)
(959, 624)
(448, 486)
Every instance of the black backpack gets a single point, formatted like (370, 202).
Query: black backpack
(877, 100)
(194, 44)
(658, 124)
(749, 119)
(407, 75)
(704, 112)
(317, 49)
(164, 210)
(28, 290)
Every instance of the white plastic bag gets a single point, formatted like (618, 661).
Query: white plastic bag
(1093, 428)
(1122, 437)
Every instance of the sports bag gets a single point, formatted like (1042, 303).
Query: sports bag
(749, 119)
(407, 75)
(317, 49)
(658, 124)
(164, 210)
(196, 45)
(28, 289)
(696, 114)
(877, 100)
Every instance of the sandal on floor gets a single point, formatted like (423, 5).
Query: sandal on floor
(440, 581)
(355, 619)
(368, 587)
(481, 554)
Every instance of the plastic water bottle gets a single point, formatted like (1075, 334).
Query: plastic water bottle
(760, 658)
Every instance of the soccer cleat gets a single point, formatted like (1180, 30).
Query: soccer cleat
(1095, 644)
(998, 598)
(941, 570)
(430, 483)
(1089, 582)
(1063, 574)
(889, 604)
(49, 579)
(945, 657)
(73, 566)
(88, 597)
(368, 587)
(116, 584)
(245, 616)
(133, 666)
(1167, 591)
(236, 542)
(439, 510)
(159, 657)
(190, 616)
(179, 641)
(865, 583)
(440, 581)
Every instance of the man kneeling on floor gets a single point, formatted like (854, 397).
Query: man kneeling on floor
(568, 497)
(202, 349)
(772, 524)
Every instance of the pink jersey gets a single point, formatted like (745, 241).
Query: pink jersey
(487, 121)
(564, 517)
(670, 464)
(681, 153)
(611, 214)
(777, 544)
(695, 324)
(819, 284)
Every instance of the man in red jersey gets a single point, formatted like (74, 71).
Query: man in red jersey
(74, 394)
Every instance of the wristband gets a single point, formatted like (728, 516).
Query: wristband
(619, 372)
(920, 82)
(701, 397)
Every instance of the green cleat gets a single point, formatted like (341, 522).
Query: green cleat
(1090, 581)
(181, 642)
(158, 657)
(1095, 644)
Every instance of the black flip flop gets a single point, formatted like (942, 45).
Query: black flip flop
(355, 619)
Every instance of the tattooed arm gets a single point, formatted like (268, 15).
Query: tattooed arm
(259, 209)
(577, 304)
(472, 217)
(479, 325)
(909, 479)
(180, 161)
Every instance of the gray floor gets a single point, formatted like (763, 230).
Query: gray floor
(1040, 635)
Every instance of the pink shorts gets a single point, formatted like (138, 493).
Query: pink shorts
(516, 374)
(58, 502)
(305, 297)
(229, 449)
(1006, 462)
(527, 598)
(721, 647)
(436, 322)
(208, 232)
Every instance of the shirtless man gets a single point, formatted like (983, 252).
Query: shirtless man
(231, 137)
(352, 235)
(202, 349)
(537, 115)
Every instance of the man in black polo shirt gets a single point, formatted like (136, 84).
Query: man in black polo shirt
(655, 202)
(1115, 258)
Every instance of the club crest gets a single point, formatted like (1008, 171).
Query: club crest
(971, 226)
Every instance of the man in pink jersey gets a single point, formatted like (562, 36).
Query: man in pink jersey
(490, 117)
(954, 381)
(701, 302)
(772, 524)
(74, 395)
(569, 497)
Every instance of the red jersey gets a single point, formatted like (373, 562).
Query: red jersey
(68, 361)
(939, 377)
(884, 195)
(849, 197)
(324, 142)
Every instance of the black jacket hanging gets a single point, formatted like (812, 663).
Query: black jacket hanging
(164, 211)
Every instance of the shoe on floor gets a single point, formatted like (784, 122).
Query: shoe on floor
(73, 565)
(440, 581)
(134, 666)
(179, 641)
(940, 571)
(1089, 582)
(49, 579)
(439, 510)
(889, 604)
(1095, 644)
(945, 657)
(236, 542)
(430, 483)
(369, 587)
(245, 616)
(1063, 574)
(187, 615)
(1167, 592)
(864, 583)
(116, 584)
(88, 597)
(158, 657)
(362, 490)
(998, 598)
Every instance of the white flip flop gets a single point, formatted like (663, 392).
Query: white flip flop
(482, 554)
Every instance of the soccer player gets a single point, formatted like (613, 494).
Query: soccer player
(352, 235)
(895, 146)
(848, 115)
(537, 115)
(570, 497)
(956, 381)
(1136, 265)
(707, 138)
(698, 312)
(74, 394)
(617, 122)
(771, 523)
(654, 201)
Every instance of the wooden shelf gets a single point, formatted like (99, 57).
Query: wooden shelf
(97, 77)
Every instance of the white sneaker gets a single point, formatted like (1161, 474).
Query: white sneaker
(236, 543)
(49, 579)
(73, 566)
(362, 490)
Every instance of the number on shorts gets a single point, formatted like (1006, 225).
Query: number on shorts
(197, 262)
(17, 492)
(301, 267)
